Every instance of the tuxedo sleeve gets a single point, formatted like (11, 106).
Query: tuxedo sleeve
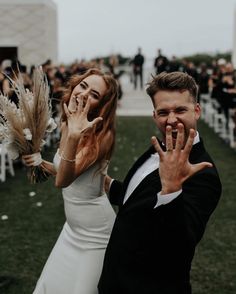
(200, 198)
(115, 193)
(189, 213)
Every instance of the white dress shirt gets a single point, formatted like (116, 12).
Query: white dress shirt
(151, 164)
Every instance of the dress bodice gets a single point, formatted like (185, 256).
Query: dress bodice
(88, 185)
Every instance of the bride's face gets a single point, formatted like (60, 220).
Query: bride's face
(92, 87)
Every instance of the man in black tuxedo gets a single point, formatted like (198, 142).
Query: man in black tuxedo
(165, 200)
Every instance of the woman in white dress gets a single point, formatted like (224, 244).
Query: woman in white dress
(87, 141)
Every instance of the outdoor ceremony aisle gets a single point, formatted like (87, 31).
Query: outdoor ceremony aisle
(31, 216)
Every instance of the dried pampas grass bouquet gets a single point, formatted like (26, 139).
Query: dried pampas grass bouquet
(24, 127)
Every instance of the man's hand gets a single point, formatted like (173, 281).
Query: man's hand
(175, 167)
(107, 183)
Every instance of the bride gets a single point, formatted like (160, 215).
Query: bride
(79, 166)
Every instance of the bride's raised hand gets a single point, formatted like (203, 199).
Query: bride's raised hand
(78, 118)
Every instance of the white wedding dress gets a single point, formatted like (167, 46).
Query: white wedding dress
(75, 263)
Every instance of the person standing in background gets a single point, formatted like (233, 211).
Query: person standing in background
(161, 62)
(137, 63)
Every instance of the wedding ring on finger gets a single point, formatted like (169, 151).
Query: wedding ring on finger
(71, 111)
(169, 150)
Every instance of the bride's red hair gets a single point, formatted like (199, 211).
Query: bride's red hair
(106, 109)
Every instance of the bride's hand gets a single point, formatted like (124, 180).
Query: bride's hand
(34, 159)
(77, 119)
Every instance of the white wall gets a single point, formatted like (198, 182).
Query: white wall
(30, 25)
(234, 40)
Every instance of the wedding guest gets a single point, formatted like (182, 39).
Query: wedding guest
(173, 64)
(79, 166)
(160, 62)
(225, 90)
(7, 89)
(137, 64)
(165, 200)
(10, 76)
(203, 79)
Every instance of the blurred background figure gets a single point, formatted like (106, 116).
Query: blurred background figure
(9, 75)
(173, 64)
(161, 62)
(203, 80)
(224, 88)
(137, 64)
(113, 63)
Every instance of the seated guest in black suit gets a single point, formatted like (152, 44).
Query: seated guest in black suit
(165, 200)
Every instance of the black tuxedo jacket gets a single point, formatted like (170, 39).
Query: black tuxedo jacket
(150, 250)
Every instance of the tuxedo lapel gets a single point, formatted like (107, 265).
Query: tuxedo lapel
(149, 183)
(136, 165)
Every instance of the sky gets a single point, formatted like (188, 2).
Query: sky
(93, 28)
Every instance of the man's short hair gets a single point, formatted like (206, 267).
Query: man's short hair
(174, 81)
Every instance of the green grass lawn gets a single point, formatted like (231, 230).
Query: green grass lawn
(30, 232)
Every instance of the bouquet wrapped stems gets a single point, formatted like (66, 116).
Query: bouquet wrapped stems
(37, 174)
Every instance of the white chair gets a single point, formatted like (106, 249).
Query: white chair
(6, 163)
(232, 137)
(220, 122)
(209, 114)
(204, 101)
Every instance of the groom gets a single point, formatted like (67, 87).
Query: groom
(165, 200)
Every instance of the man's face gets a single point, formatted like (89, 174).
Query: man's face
(173, 107)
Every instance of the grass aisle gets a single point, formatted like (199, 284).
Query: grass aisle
(31, 230)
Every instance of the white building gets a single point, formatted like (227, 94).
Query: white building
(28, 31)
(234, 40)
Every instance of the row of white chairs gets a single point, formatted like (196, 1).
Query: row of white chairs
(214, 116)
(6, 163)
